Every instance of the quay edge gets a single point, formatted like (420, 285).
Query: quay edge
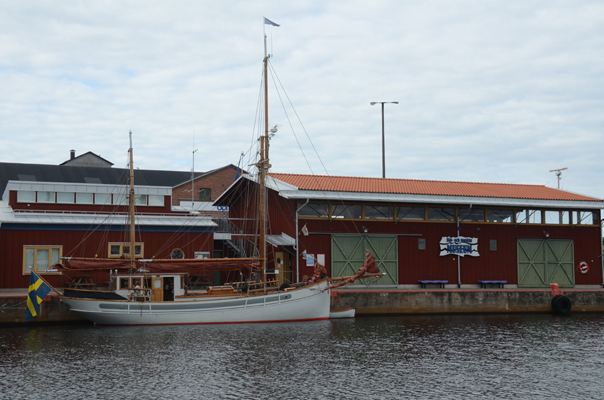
(463, 301)
(367, 302)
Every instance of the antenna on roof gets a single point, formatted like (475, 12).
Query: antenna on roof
(558, 174)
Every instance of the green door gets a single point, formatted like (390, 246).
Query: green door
(545, 261)
(348, 255)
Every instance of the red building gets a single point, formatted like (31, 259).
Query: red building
(525, 235)
(71, 210)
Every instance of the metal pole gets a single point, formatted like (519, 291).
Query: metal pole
(383, 146)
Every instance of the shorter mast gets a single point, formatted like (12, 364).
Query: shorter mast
(131, 203)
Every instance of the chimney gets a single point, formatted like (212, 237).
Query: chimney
(72, 154)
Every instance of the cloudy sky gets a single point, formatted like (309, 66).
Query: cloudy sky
(488, 91)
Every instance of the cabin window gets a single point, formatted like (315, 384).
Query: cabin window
(124, 283)
(379, 212)
(41, 258)
(156, 200)
(117, 250)
(46, 197)
(314, 210)
(441, 214)
(348, 211)
(66, 197)
(84, 198)
(470, 214)
(500, 215)
(136, 282)
(410, 213)
(24, 196)
(205, 194)
(102, 198)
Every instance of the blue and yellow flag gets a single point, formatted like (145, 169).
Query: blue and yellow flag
(38, 289)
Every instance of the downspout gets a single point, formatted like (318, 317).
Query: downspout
(296, 245)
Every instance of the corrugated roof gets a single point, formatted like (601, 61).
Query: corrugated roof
(425, 187)
(70, 174)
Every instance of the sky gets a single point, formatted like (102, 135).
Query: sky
(487, 91)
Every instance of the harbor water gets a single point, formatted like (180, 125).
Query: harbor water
(528, 356)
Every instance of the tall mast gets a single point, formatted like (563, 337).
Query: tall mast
(131, 203)
(263, 166)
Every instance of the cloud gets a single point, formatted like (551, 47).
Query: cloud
(488, 91)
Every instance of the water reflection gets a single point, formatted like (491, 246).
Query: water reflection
(453, 357)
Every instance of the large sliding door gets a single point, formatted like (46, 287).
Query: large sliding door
(348, 255)
(545, 261)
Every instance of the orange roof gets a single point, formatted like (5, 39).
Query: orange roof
(423, 187)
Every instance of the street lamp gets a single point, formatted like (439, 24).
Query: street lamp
(383, 136)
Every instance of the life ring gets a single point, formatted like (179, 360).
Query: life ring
(583, 267)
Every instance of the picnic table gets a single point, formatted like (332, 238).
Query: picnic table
(200, 281)
(82, 282)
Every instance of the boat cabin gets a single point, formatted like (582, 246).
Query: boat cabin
(149, 287)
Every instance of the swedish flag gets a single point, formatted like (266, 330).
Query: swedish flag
(38, 289)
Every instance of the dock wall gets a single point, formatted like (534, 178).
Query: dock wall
(392, 302)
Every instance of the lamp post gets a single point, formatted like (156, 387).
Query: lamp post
(383, 135)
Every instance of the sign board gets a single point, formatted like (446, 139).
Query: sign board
(459, 245)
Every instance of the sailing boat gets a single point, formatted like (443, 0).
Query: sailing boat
(153, 292)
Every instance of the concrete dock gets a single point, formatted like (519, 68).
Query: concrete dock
(367, 301)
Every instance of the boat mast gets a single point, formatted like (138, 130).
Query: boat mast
(131, 203)
(263, 167)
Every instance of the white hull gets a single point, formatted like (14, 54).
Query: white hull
(304, 304)
(344, 313)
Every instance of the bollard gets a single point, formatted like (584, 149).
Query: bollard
(560, 303)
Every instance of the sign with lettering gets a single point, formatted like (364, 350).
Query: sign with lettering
(459, 245)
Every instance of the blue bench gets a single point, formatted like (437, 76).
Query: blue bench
(483, 284)
(440, 284)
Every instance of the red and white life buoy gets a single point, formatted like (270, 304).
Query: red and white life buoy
(583, 267)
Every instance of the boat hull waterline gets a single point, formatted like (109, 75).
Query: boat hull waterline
(303, 304)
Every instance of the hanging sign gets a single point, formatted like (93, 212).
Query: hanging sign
(459, 245)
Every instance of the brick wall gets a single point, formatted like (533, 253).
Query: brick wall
(217, 182)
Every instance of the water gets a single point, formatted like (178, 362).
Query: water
(443, 357)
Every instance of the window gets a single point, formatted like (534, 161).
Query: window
(102, 198)
(120, 199)
(379, 212)
(117, 250)
(314, 210)
(156, 200)
(124, 283)
(528, 216)
(202, 255)
(557, 217)
(205, 194)
(177, 254)
(471, 214)
(410, 213)
(46, 197)
(84, 198)
(40, 258)
(348, 211)
(441, 214)
(500, 216)
(65, 197)
(584, 218)
(24, 196)
(140, 199)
